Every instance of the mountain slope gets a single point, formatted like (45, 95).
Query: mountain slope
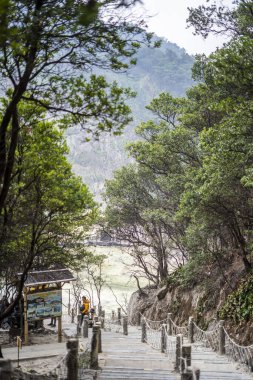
(167, 68)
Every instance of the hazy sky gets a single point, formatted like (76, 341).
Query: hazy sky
(169, 21)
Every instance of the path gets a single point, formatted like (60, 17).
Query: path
(125, 357)
(216, 367)
(39, 351)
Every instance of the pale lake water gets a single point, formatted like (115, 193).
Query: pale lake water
(117, 274)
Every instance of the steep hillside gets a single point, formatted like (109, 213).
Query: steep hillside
(213, 296)
(167, 68)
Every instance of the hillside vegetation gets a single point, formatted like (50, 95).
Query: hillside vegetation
(185, 202)
(167, 68)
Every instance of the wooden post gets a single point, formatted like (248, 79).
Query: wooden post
(190, 330)
(138, 319)
(94, 348)
(196, 372)
(125, 325)
(119, 316)
(179, 343)
(103, 320)
(143, 331)
(21, 311)
(113, 315)
(72, 315)
(185, 358)
(99, 338)
(25, 318)
(222, 338)
(69, 311)
(72, 359)
(78, 330)
(59, 329)
(95, 319)
(6, 370)
(163, 338)
(85, 327)
(192, 374)
(169, 323)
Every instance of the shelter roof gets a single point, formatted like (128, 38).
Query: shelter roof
(48, 277)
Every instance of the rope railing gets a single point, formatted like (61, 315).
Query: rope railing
(115, 325)
(153, 335)
(237, 353)
(155, 325)
(60, 369)
(170, 345)
(158, 337)
(208, 338)
(217, 339)
(175, 329)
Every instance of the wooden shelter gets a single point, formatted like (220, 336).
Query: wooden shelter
(42, 292)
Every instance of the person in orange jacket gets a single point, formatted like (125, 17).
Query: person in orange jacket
(84, 308)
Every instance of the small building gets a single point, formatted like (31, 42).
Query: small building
(43, 296)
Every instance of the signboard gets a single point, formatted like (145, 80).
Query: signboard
(44, 304)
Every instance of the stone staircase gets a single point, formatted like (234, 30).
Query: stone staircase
(125, 357)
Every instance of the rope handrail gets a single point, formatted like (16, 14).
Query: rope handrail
(178, 329)
(150, 320)
(210, 339)
(115, 325)
(238, 353)
(236, 344)
(206, 331)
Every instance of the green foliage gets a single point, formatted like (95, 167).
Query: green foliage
(48, 209)
(212, 19)
(198, 154)
(48, 49)
(239, 304)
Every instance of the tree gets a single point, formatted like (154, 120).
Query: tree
(197, 152)
(48, 209)
(93, 268)
(214, 19)
(46, 53)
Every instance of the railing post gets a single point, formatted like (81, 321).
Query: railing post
(72, 315)
(190, 330)
(6, 369)
(169, 323)
(222, 338)
(78, 326)
(94, 348)
(85, 327)
(125, 325)
(78, 330)
(103, 319)
(119, 316)
(72, 359)
(99, 338)
(185, 358)
(143, 331)
(192, 374)
(138, 319)
(163, 338)
(179, 343)
(95, 319)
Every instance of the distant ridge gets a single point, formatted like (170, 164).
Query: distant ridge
(164, 69)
